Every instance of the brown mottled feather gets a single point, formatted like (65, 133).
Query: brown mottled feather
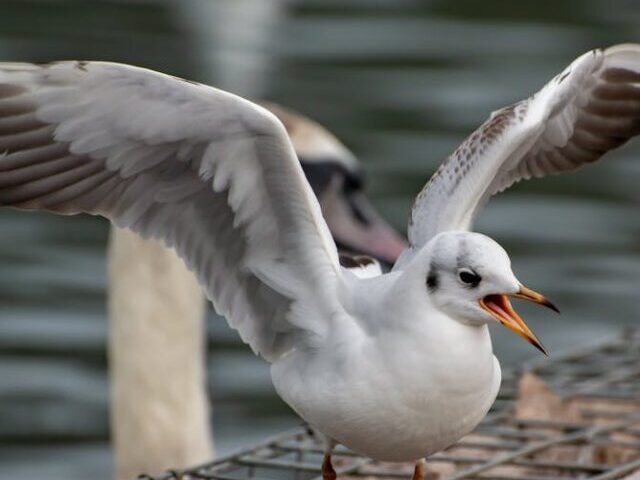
(592, 107)
(357, 261)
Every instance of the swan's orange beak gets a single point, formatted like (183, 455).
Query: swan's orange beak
(500, 308)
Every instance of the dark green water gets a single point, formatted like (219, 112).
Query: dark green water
(401, 82)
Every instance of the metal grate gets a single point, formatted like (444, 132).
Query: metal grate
(598, 436)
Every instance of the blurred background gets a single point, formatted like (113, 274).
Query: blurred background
(401, 82)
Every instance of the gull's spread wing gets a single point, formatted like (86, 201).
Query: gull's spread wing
(592, 107)
(212, 175)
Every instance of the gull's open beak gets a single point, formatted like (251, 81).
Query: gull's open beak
(500, 308)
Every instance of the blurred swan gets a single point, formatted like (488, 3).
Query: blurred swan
(157, 341)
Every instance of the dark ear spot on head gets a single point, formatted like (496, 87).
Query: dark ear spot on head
(432, 280)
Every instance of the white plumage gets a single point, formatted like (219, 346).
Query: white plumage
(214, 176)
(159, 400)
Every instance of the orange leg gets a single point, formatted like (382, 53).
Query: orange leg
(328, 473)
(420, 470)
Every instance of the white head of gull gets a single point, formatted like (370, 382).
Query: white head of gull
(215, 176)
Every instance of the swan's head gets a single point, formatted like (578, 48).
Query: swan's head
(336, 177)
(469, 278)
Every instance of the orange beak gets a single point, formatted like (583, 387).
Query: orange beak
(500, 308)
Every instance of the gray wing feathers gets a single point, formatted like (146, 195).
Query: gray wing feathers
(604, 114)
(593, 106)
(210, 174)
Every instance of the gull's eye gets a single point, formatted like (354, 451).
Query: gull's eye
(469, 277)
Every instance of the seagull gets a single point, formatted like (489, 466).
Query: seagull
(156, 312)
(395, 366)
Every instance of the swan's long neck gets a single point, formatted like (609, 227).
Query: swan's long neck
(159, 406)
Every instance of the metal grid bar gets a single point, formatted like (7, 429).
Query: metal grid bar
(603, 382)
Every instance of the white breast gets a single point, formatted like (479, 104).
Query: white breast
(391, 398)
